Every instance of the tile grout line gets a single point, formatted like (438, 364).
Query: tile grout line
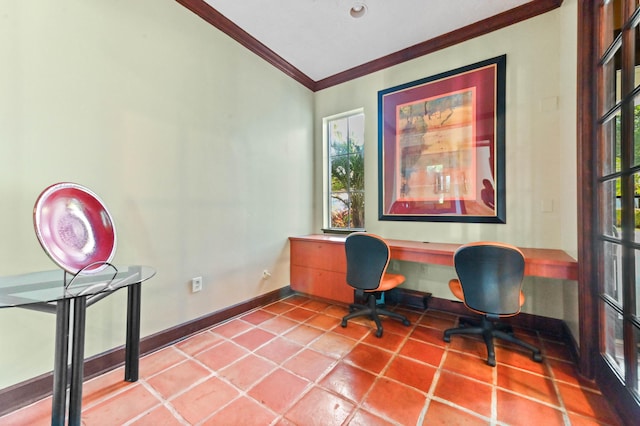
(245, 392)
(216, 373)
(433, 397)
(308, 387)
(163, 403)
(310, 384)
(380, 374)
(552, 375)
(432, 388)
(357, 405)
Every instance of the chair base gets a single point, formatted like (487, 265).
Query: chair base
(489, 330)
(372, 310)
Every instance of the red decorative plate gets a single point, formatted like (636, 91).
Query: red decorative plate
(74, 228)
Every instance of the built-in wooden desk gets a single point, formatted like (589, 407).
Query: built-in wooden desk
(318, 263)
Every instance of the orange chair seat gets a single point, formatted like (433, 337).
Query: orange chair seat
(388, 282)
(456, 289)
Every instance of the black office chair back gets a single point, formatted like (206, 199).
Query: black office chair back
(367, 260)
(491, 277)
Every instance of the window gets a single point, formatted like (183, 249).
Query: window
(344, 165)
(617, 177)
(610, 187)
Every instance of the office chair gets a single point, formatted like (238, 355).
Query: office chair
(490, 283)
(367, 261)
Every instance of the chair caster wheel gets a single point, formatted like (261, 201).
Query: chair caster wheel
(491, 362)
(446, 338)
(537, 357)
(343, 324)
(406, 322)
(378, 333)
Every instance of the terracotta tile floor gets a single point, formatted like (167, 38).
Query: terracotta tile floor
(290, 363)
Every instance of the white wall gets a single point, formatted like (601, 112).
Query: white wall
(540, 150)
(200, 150)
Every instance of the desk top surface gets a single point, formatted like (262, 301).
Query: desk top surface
(50, 286)
(560, 255)
(551, 263)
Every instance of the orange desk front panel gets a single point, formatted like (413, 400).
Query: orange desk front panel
(319, 268)
(318, 263)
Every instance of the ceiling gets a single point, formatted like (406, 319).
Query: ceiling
(318, 40)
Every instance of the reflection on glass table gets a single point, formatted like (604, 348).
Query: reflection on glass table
(60, 292)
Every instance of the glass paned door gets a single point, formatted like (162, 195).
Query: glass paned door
(617, 188)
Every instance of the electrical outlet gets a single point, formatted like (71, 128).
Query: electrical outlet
(395, 266)
(196, 284)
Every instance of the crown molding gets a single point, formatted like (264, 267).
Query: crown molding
(502, 20)
(221, 22)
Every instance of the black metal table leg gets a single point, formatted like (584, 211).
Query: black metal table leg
(132, 347)
(77, 360)
(73, 294)
(59, 407)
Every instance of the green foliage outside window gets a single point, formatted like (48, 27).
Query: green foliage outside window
(346, 148)
(636, 160)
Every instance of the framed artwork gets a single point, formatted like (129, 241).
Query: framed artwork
(441, 146)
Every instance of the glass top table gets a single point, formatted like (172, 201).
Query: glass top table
(51, 286)
(60, 292)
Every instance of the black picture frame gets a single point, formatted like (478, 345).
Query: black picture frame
(441, 142)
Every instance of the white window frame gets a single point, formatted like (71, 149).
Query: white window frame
(326, 171)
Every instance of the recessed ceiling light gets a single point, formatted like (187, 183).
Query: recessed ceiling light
(358, 10)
